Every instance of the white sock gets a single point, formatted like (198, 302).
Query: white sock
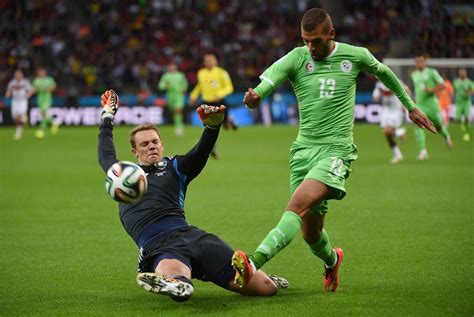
(19, 130)
(252, 265)
(399, 132)
(396, 151)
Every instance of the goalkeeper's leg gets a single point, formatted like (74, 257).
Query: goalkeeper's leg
(171, 277)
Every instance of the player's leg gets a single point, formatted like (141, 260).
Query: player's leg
(171, 277)
(309, 193)
(176, 105)
(229, 122)
(18, 112)
(318, 240)
(464, 118)
(45, 122)
(164, 266)
(389, 132)
(212, 259)
(305, 194)
(434, 114)
(332, 170)
(178, 121)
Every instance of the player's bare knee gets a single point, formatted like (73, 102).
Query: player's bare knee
(297, 207)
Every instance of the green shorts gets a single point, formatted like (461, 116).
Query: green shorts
(463, 109)
(327, 163)
(175, 102)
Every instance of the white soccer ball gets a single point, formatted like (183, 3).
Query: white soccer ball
(126, 182)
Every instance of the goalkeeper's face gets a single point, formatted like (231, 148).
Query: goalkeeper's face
(148, 147)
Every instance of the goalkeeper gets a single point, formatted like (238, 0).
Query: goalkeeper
(172, 252)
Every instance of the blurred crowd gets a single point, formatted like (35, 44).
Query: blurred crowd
(88, 46)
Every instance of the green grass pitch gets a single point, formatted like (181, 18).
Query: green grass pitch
(407, 230)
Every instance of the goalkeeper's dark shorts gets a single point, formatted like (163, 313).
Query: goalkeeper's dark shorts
(208, 257)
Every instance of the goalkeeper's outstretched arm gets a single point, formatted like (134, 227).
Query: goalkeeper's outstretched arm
(106, 148)
(192, 163)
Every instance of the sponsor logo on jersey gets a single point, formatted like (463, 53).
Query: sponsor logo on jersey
(346, 66)
(309, 67)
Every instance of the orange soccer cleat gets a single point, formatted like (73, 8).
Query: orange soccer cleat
(243, 268)
(331, 279)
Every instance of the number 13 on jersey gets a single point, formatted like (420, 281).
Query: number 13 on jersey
(327, 87)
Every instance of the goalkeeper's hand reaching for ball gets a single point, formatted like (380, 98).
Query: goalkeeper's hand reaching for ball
(110, 103)
(211, 116)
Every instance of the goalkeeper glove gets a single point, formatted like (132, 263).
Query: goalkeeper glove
(110, 103)
(211, 116)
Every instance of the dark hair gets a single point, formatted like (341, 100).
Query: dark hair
(421, 54)
(138, 128)
(315, 17)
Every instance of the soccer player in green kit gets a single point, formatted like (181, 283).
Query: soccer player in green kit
(44, 85)
(175, 84)
(323, 75)
(463, 88)
(427, 81)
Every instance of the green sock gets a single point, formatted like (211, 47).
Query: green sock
(46, 123)
(466, 127)
(323, 249)
(277, 239)
(444, 131)
(178, 121)
(420, 138)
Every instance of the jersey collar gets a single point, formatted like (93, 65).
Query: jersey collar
(336, 45)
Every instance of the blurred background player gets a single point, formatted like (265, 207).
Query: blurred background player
(464, 88)
(427, 81)
(172, 252)
(323, 75)
(175, 84)
(44, 86)
(213, 85)
(445, 99)
(392, 118)
(19, 89)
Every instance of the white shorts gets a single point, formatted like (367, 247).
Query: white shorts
(391, 118)
(19, 108)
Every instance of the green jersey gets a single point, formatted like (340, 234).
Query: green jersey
(463, 88)
(426, 78)
(325, 90)
(173, 82)
(43, 87)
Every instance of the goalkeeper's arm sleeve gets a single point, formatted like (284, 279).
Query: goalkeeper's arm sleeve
(106, 148)
(192, 163)
(386, 76)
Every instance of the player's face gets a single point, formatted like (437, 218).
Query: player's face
(148, 147)
(318, 41)
(172, 67)
(462, 73)
(41, 72)
(18, 75)
(420, 62)
(210, 61)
